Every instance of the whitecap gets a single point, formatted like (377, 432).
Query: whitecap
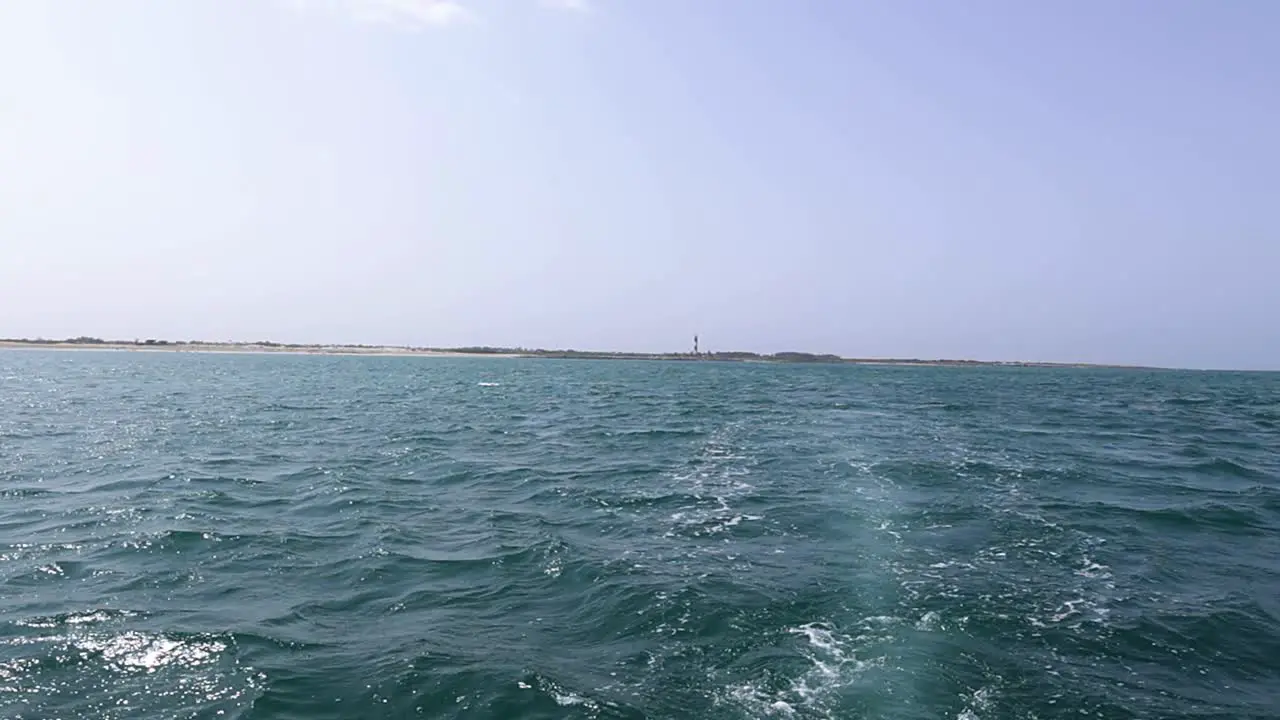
(834, 665)
(977, 701)
(929, 621)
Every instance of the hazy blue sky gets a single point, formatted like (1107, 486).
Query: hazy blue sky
(1081, 180)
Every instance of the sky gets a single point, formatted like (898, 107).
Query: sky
(997, 179)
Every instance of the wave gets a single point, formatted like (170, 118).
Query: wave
(1226, 467)
(66, 672)
(25, 493)
(1196, 517)
(84, 617)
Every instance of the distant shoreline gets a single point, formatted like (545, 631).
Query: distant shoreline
(273, 348)
(241, 348)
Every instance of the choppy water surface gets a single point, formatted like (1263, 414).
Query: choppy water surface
(199, 536)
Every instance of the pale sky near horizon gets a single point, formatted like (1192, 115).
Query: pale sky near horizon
(1072, 181)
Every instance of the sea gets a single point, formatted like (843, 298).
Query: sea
(302, 537)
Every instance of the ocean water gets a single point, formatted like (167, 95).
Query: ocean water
(303, 537)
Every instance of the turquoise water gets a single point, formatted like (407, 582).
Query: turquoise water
(236, 536)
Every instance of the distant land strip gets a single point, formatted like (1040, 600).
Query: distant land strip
(264, 346)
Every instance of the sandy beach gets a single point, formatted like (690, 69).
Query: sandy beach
(250, 348)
